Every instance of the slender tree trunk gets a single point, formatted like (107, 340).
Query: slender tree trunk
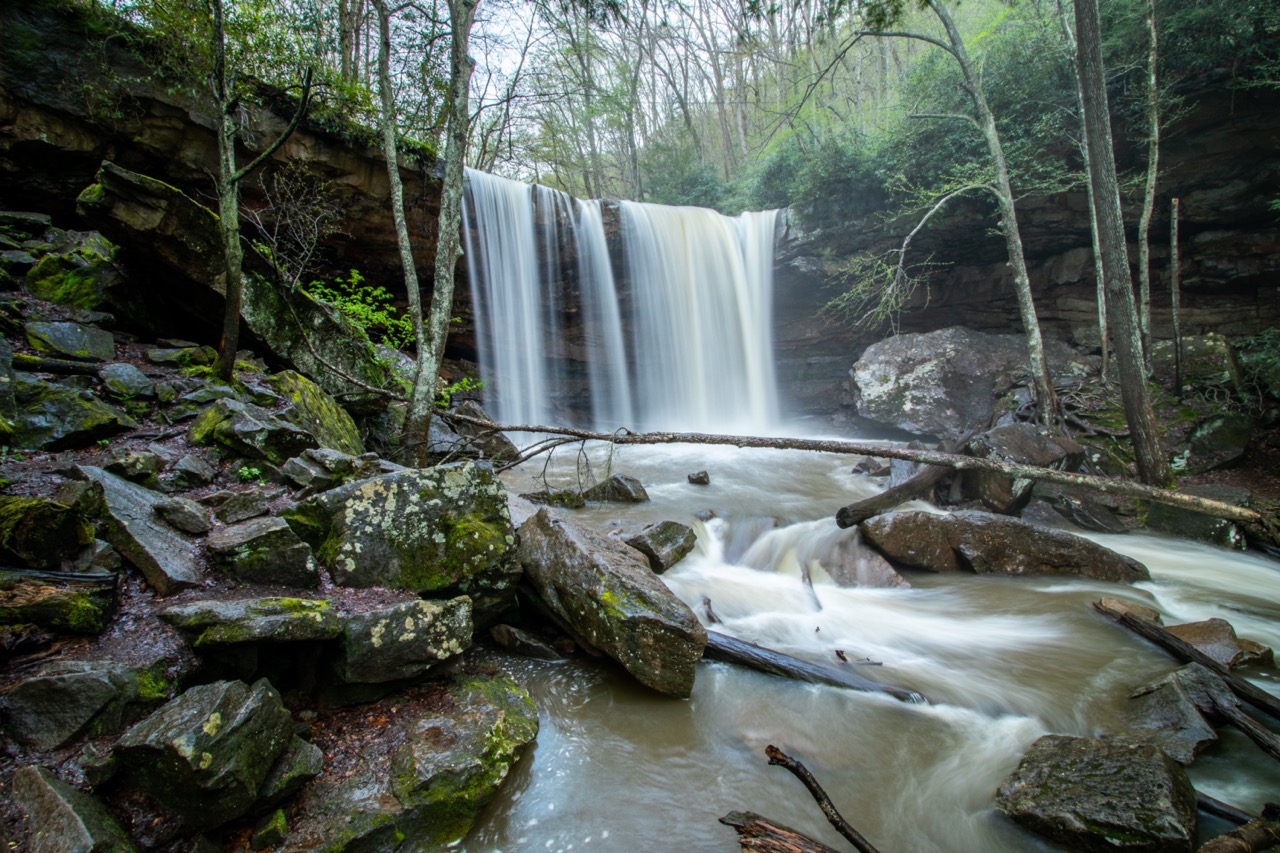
(228, 199)
(1153, 468)
(1149, 194)
(1175, 297)
(1048, 408)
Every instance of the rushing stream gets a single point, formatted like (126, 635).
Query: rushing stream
(1001, 661)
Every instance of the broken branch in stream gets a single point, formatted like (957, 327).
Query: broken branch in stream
(758, 834)
(1258, 525)
(1260, 834)
(779, 758)
(732, 650)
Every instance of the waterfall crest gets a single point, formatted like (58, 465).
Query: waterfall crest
(677, 335)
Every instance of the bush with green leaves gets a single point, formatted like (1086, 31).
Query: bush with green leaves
(369, 306)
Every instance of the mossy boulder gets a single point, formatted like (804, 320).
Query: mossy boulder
(215, 622)
(264, 550)
(312, 409)
(604, 594)
(664, 543)
(54, 417)
(71, 340)
(403, 640)
(1190, 524)
(125, 382)
(77, 607)
(62, 818)
(434, 530)
(1102, 794)
(618, 488)
(77, 279)
(250, 431)
(39, 533)
(204, 755)
(450, 766)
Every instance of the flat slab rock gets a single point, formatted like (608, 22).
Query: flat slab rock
(607, 598)
(215, 622)
(986, 543)
(1102, 794)
(1217, 639)
(63, 819)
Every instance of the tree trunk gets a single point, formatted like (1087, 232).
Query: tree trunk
(758, 834)
(1254, 837)
(1175, 297)
(1149, 194)
(228, 200)
(1153, 468)
(1048, 410)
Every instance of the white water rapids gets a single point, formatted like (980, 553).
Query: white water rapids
(1002, 661)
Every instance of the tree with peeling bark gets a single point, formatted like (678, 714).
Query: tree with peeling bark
(432, 326)
(1113, 252)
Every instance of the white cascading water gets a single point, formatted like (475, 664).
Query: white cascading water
(699, 355)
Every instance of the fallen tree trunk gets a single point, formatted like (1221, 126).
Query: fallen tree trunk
(1260, 834)
(758, 834)
(919, 486)
(1217, 808)
(780, 759)
(732, 650)
(39, 364)
(1187, 653)
(1258, 525)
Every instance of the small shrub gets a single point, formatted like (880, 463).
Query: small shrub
(368, 306)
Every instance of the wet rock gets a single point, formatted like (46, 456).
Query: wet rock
(563, 498)
(70, 699)
(1196, 525)
(431, 530)
(872, 467)
(1080, 509)
(325, 468)
(1217, 639)
(606, 597)
(699, 478)
(165, 556)
(53, 417)
(97, 556)
(63, 819)
(242, 506)
(266, 551)
(251, 431)
(1142, 612)
(1171, 711)
(1095, 794)
(1218, 442)
(986, 543)
(125, 382)
(214, 622)
(1021, 444)
(487, 444)
(192, 472)
(449, 768)
(312, 409)
(81, 607)
(944, 383)
(853, 564)
(522, 643)
(189, 356)
(403, 640)
(39, 533)
(185, 515)
(205, 755)
(619, 488)
(137, 466)
(8, 386)
(1206, 360)
(664, 544)
(71, 340)
(270, 832)
(300, 763)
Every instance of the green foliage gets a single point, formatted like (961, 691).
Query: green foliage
(250, 474)
(445, 395)
(675, 175)
(369, 306)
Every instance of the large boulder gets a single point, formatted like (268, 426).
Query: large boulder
(71, 340)
(1094, 794)
(986, 543)
(51, 416)
(944, 383)
(1190, 524)
(63, 819)
(450, 766)
(39, 533)
(1175, 712)
(664, 543)
(131, 524)
(251, 431)
(605, 595)
(1217, 639)
(214, 622)
(1019, 444)
(403, 640)
(312, 409)
(264, 550)
(618, 488)
(435, 530)
(205, 755)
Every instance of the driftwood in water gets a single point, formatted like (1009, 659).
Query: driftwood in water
(1188, 653)
(1258, 525)
(1226, 811)
(1260, 834)
(918, 486)
(758, 834)
(732, 650)
(780, 759)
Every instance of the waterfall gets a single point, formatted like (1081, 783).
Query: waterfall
(676, 337)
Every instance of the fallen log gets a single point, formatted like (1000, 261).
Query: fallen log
(1260, 834)
(758, 834)
(779, 758)
(38, 364)
(1258, 525)
(732, 650)
(1187, 653)
(1217, 808)
(918, 486)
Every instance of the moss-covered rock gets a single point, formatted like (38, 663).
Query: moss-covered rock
(54, 417)
(403, 640)
(260, 620)
(69, 281)
(664, 543)
(431, 531)
(205, 755)
(264, 550)
(312, 409)
(39, 533)
(60, 817)
(251, 431)
(71, 340)
(80, 608)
